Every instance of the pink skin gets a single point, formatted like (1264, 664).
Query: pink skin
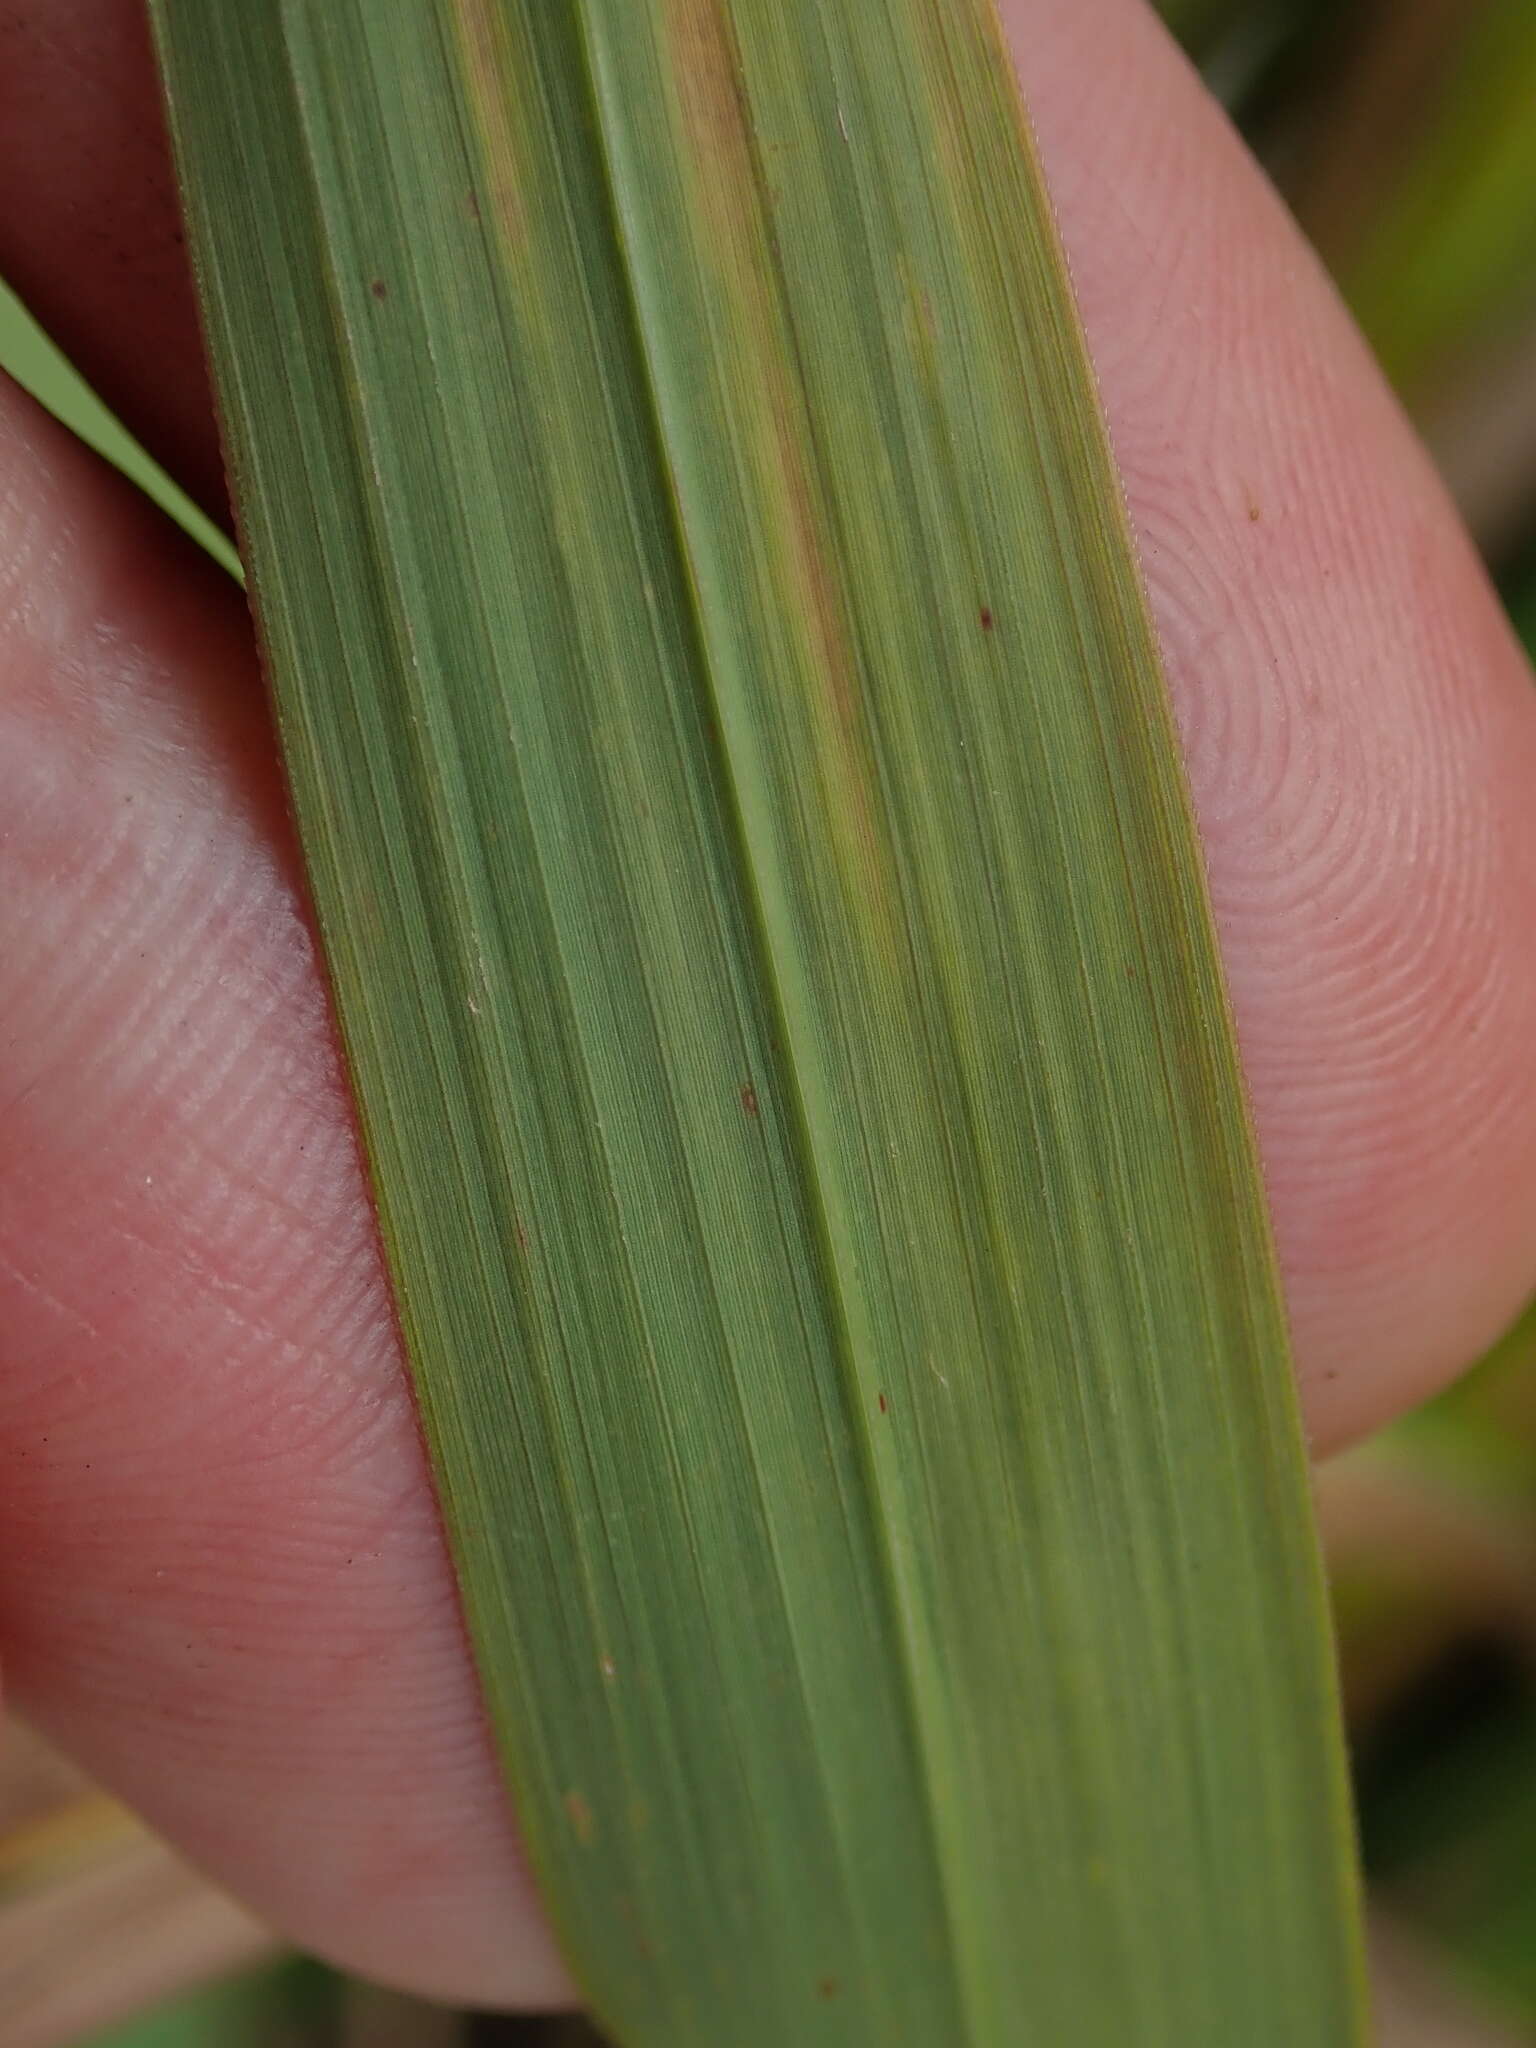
(221, 1580)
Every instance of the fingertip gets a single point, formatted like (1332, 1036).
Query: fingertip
(1358, 722)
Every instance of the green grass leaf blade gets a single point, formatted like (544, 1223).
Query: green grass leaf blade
(770, 942)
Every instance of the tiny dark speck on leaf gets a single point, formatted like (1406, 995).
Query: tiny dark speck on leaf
(986, 618)
(826, 1987)
(883, 1404)
(473, 198)
(522, 1237)
(379, 288)
(749, 1099)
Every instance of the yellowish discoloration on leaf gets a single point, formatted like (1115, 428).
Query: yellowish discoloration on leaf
(482, 27)
(726, 184)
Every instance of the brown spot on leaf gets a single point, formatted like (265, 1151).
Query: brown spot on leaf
(986, 618)
(379, 288)
(580, 1817)
(749, 1099)
(884, 1404)
(826, 1987)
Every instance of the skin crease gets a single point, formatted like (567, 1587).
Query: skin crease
(221, 1580)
